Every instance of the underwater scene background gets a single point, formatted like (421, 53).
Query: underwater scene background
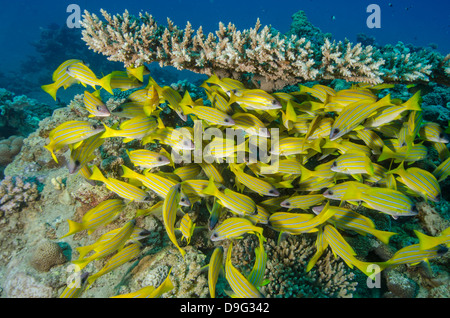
(96, 202)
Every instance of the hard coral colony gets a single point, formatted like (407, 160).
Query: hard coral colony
(336, 152)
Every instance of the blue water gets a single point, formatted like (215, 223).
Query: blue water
(417, 22)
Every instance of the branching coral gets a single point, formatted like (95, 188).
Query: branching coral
(269, 58)
(15, 193)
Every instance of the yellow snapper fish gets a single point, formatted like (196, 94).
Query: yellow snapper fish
(188, 172)
(114, 243)
(255, 99)
(215, 211)
(156, 183)
(227, 85)
(350, 220)
(121, 188)
(427, 242)
(76, 287)
(173, 99)
(298, 223)
(385, 200)
(214, 268)
(412, 153)
(94, 105)
(131, 129)
(353, 163)
(233, 228)
(338, 191)
(125, 255)
(433, 132)
(443, 170)
(209, 114)
(61, 78)
(341, 248)
(251, 124)
(237, 203)
(84, 74)
(302, 201)
(321, 92)
(345, 97)
(256, 275)
(70, 132)
(413, 255)
(151, 291)
(261, 217)
(211, 171)
(177, 139)
(84, 153)
(219, 101)
(170, 207)
(154, 209)
(354, 114)
(147, 159)
(138, 72)
(253, 183)
(129, 110)
(187, 228)
(122, 81)
(419, 181)
(240, 285)
(98, 216)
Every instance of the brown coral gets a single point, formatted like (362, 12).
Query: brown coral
(46, 255)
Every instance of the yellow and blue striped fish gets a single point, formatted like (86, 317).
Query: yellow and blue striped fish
(84, 153)
(70, 132)
(122, 81)
(413, 254)
(237, 203)
(340, 247)
(227, 85)
(170, 207)
(211, 172)
(147, 159)
(298, 223)
(94, 105)
(158, 184)
(188, 172)
(321, 245)
(352, 163)
(350, 220)
(255, 99)
(134, 128)
(214, 268)
(84, 74)
(302, 201)
(338, 191)
(256, 276)
(261, 217)
(219, 101)
(234, 227)
(443, 170)
(354, 114)
(125, 255)
(138, 72)
(415, 152)
(61, 78)
(251, 124)
(175, 138)
(102, 214)
(151, 291)
(419, 181)
(173, 99)
(74, 291)
(129, 110)
(431, 131)
(253, 183)
(112, 244)
(346, 97)
(321, 92)
(187, 228)
(121, 188)
(240, 285)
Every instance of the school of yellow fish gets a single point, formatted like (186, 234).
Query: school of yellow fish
(350, 145)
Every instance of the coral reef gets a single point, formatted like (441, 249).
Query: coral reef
(15, 193)
(271, 60)
(46, 255)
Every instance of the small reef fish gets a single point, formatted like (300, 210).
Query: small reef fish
(237, 203)
(443, 170)
(84, 74)
(255, 99)
(253, 183)
(121, 188)
(256, 275)
(151, 291)
(61, 78)
(138, 72)
(302, 201)
(122, 81)
(214, 268)
(188, 172)
(131, 129)
(101, 215)
(147, 159)
(413, 255)
(70, 132)
(94, 105)
(114, 243)
(84, 153)
(251, 124)
(353, 163)
(170, 207)
(233, 228)
(433, 132)
(125, 255)
(240, 285)
(187, 228)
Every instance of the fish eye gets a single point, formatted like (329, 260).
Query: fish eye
(330, 192)
(77, 163)
(99, 107)
(160, 159)
(271, 191)
(287, 203)
(119, 109)
(336, 131)
(334, 164)
(215, 235)
(414, 209)
(95, 126)
(226, 120)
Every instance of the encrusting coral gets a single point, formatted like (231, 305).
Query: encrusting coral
(271, 60)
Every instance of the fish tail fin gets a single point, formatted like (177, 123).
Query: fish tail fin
(386, 153)
(97, 175)
(383, 236)
(425, 241)
(81, 263)
(74, 227)
(128, 173)
(51, 89)
(83, 250)
(211, 189)
(399, 169)
(105, 83)
(109, 132)
(414, 102)
(137, 72)
(50, 148)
